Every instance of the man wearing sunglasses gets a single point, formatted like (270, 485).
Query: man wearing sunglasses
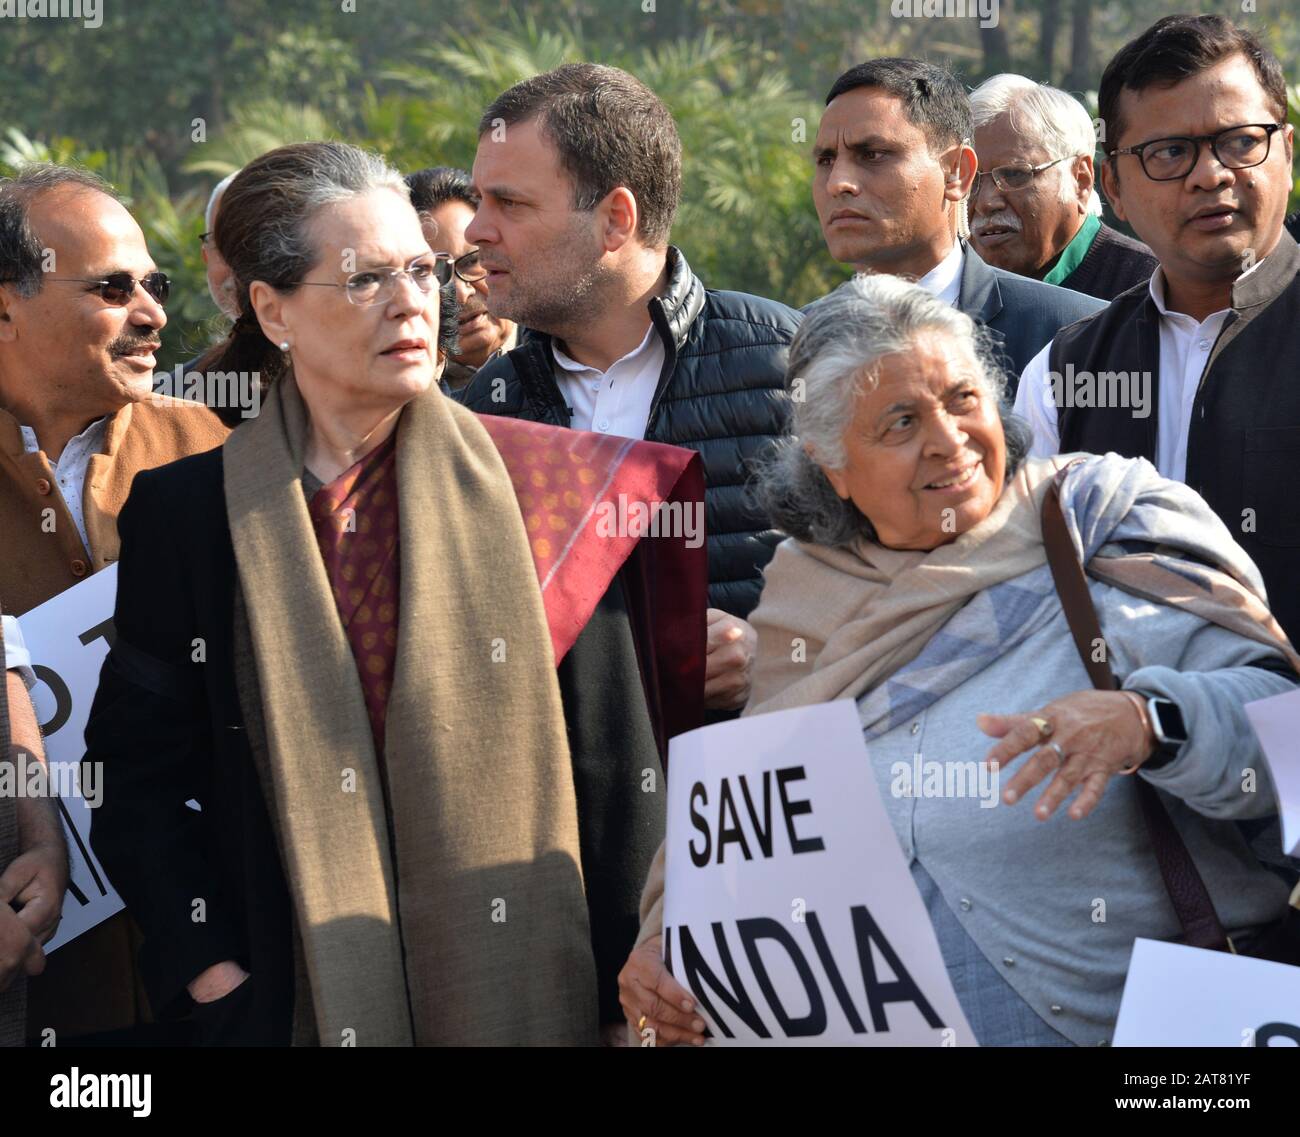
(1199, 163)
(1034, 208)
(81, 308)
(445, 199)
(892, 166)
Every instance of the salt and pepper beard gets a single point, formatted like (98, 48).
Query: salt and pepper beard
(566, 309)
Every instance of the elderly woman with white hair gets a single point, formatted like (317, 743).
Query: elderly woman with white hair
(1034, 208)
(919, 576)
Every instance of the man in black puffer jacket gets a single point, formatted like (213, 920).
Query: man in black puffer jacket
(579, 172)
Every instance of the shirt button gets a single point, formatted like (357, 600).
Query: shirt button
(1055, 1008)
(1009, 961)
(595, 388)
(78, 568)
(603, 424)
(1204, 345)
(915, 727)
(965, 904)
(42, 486)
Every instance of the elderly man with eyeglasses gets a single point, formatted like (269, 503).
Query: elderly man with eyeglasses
(221, 283)
(81, 309)
(1199, 163)
(444, 198)
(1034, 208)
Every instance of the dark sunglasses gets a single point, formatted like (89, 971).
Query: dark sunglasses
(117, 288)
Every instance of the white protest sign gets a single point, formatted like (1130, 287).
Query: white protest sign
(1183, 996)
(1277, 723)
(68, 637)
(789, 911)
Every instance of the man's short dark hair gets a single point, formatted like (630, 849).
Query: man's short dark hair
(437, 185)
(933, 99)
(21, 252)
(610, 130)
(1174, 48)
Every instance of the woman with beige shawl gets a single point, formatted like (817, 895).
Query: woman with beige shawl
(333, 639)
(915, 582)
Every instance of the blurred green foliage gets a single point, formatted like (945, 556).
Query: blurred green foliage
(167, 97)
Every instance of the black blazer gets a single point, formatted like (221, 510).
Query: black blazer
(1023, 314)
(167, 725)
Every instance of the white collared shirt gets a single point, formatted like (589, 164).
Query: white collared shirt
(1185, 347)
(17, 657)
(944, 280)
(70, 469)
(615, 401)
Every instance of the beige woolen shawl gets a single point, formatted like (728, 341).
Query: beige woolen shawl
(474, 929)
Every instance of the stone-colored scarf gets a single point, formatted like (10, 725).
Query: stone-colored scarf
(476, 931)
(860, 616)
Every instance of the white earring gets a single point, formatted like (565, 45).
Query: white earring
(284, 345)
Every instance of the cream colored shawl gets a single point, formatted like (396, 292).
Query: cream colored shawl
(833, 623)
(474, 931)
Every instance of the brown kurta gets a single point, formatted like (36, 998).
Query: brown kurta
(90, 984)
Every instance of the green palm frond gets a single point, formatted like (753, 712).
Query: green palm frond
(18, 150)
(256, 128)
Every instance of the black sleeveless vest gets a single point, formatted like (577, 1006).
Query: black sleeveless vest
(1243, 446)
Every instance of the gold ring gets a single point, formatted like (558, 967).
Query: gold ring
(640, 1023)
(1044, 727)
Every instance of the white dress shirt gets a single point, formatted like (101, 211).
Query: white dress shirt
(1185, 347)
(944, 280)
(17, 657)
(70, 469)
(616, 401)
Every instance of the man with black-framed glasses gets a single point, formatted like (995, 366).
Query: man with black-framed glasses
(1199, 163)
(81, 309)
(444, 198)
(1034, 206)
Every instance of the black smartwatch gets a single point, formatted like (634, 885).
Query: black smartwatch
(1170, 731)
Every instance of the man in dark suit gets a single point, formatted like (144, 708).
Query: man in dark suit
(893, 168)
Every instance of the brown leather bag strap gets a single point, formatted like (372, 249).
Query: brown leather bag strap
(1187, 892)
(1072, 588)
